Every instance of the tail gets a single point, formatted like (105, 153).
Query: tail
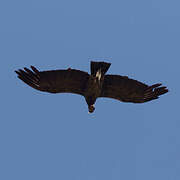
(99, 66)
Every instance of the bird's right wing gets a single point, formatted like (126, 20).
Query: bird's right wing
(129, 90)
(55, 81)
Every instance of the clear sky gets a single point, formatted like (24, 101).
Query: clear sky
(52, 137)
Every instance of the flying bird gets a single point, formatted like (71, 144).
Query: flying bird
(91, 86)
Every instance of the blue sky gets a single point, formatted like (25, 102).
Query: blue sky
(47, 136)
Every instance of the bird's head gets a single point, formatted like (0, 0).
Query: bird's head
(91, 108)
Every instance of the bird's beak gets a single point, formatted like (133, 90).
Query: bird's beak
(91, 109)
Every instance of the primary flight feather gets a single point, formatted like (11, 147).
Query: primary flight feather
(92, 86)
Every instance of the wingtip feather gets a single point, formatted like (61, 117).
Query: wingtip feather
(154, 91)
(35, 70)
(29, 77)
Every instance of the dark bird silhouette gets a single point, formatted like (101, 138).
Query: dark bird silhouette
(92, 86)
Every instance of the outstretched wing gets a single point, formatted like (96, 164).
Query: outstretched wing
(56, 81)
(128, 90)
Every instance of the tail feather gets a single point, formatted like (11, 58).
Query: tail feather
(96, 66)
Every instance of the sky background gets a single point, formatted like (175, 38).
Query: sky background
(52, 137)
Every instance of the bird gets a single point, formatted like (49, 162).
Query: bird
(95, 85)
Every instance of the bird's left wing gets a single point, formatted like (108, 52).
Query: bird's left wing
(55, 81)
(129, 90)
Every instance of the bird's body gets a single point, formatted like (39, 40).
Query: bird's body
(93, 90)
(92, 86)
(95, 83)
